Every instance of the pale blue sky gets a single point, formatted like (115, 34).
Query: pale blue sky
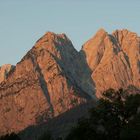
(22, 22)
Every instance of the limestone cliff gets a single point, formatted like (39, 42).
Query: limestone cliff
(45, 83)
(114, 59)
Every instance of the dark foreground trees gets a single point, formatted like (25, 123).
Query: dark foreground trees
(12, 136)
(116, 117)
(46, 136)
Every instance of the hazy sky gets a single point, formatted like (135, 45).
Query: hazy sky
(22, 22)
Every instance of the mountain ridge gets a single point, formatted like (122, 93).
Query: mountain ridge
(53, 77)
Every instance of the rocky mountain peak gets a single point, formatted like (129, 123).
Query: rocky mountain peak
(51, 38)
(114, 59)
(48, 81)
(56, 44)
(126, 38)
(95, 47)
(101, 32)
(124, 32)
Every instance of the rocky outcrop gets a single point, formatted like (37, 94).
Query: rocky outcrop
(4, 71)
(45, 83)
(130, 45)
(114, 59)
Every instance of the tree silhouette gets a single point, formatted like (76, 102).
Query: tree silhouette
(116, 117)
(11, 136)
(46, 136)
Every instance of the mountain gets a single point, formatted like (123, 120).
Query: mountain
(53, 79)
(45, 83)
(114, 59)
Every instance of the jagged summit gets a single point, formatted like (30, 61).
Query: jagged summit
(51, 37)
(124, 31)
(101, 31)
(114, 59)
(95, 47)
(56, 44)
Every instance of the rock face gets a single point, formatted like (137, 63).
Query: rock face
(53, 78)
(114, 59)
(45, 83)
(4, 71)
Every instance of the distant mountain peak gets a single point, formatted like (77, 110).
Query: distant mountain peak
(114, 59)
(101, 31)
(122, 30)
(52, 41)
(51, 36)
(125, 33)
